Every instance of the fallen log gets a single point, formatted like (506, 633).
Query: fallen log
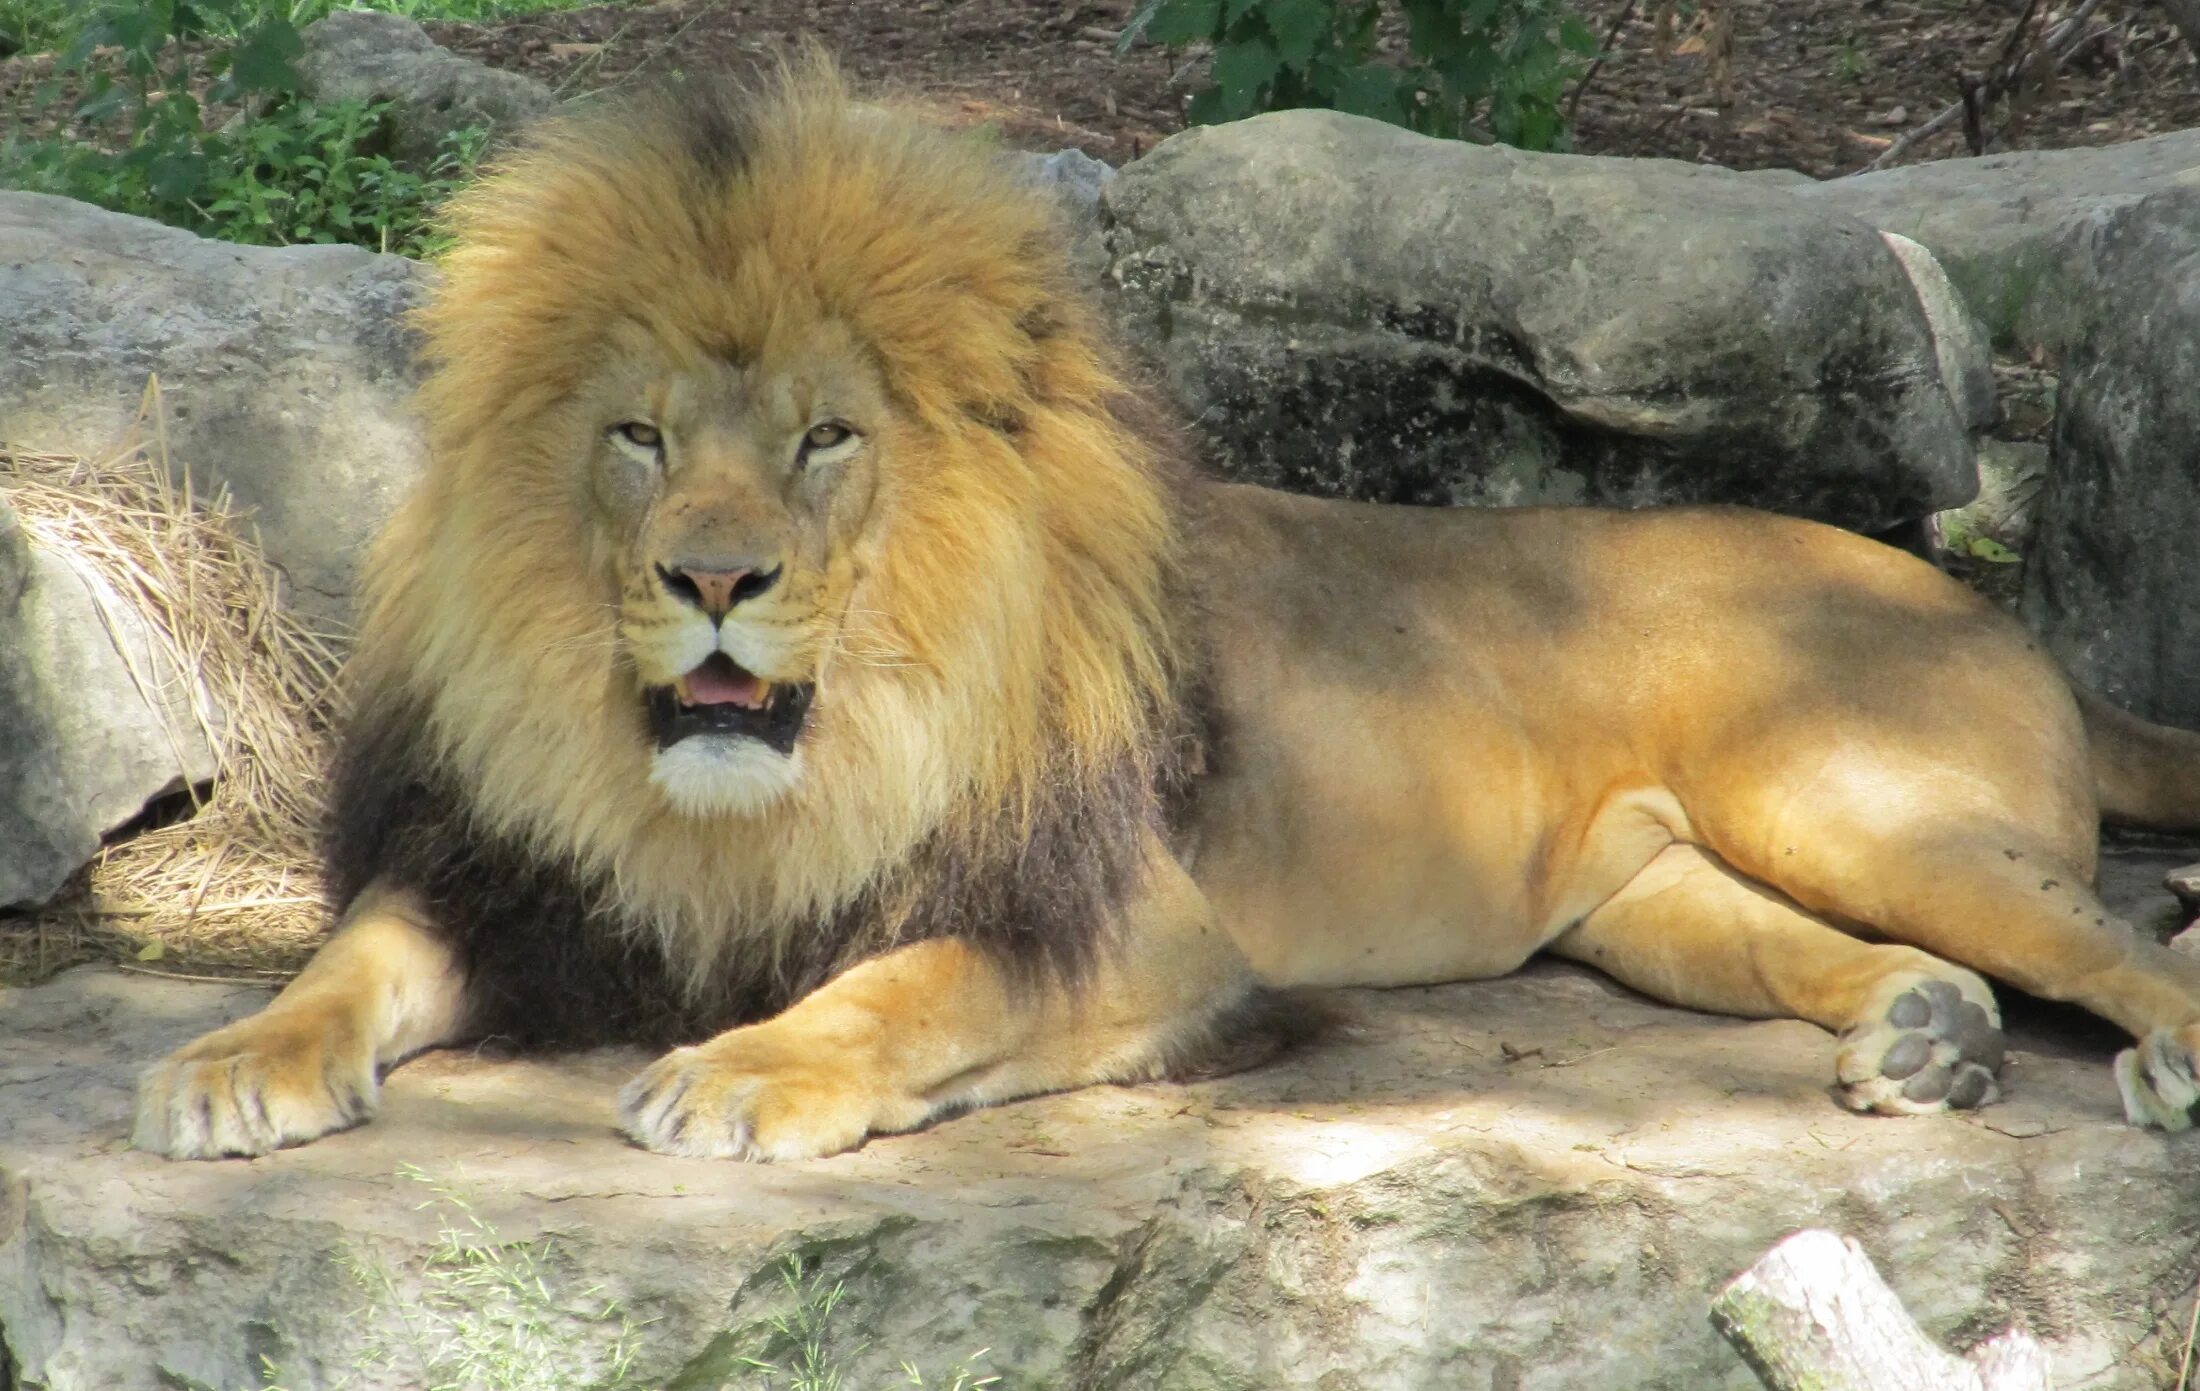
(1813, 1313)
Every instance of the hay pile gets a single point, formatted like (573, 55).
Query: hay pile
(229, 880)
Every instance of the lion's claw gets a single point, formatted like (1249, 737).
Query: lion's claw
(253, 1087)
(1930, 1048)
(738, 1097)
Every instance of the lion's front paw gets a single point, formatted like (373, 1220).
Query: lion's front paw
(745, 1096)
(1924, 1045)
(2160, 1079)
(255, 1086)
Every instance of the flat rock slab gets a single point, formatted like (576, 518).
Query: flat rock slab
(1530, 1183)
(2018, 232)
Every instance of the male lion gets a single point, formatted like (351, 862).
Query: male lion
(804, 631)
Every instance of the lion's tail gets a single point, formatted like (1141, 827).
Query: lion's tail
(2146, 774)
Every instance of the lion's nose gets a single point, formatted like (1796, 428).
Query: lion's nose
(714, 589)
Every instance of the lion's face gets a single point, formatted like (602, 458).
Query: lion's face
(733, 495)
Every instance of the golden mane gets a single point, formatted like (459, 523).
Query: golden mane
(1010, 665)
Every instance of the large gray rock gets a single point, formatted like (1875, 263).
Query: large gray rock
(1349, 308)
(1534, 1183)
(2110, 581)
(285, 371)
(1076, 180)
(1960, 346)
(95, 719)
(2016, 231)
(368, 56)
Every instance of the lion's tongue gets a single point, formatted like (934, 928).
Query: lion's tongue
(711, 685)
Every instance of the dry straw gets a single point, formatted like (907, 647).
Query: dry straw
(231, 881)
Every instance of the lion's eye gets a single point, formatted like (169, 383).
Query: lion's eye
(827, 435)
(639, 433)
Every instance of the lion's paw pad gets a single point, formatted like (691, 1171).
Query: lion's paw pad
(1930, 1049)
(2160, 1079)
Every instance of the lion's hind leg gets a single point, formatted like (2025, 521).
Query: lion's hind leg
(383, 987)
(1917, 1034)
(2020, 908)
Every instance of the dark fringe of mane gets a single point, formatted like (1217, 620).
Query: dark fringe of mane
(553, 959)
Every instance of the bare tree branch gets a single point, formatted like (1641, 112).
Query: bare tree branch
(1604, 51)
(2185, 14)
(2060, 42)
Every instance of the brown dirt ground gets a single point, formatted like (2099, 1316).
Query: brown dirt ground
(1817, 85)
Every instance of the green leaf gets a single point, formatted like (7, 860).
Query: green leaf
(153, 950)
(1234, 10)
(1179, 22)
(96, 35)
(1353, 28)
(264, 61)
(1242, 71)
(1206, 108)
(176, 176)
(1370, 91)
(1298, 26)
(104, 101)
(1576, 37)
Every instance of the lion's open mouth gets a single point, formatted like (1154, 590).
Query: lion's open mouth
(721, 698)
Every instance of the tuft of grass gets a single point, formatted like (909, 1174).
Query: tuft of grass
(803, 1342)
(491, 1314)
(1850, 61)
(802, 1330)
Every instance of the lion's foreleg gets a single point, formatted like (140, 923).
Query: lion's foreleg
(936, 1027)
(384, 987)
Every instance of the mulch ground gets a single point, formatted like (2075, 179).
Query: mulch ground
(1824, 87)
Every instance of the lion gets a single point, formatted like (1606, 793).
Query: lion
(811, 652)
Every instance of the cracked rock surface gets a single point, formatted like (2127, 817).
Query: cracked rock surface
(1534, 1183)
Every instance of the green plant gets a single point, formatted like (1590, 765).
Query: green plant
(1850, 61)
(39, 26)
(285, 170)
(1473, 69)
(34, 26)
